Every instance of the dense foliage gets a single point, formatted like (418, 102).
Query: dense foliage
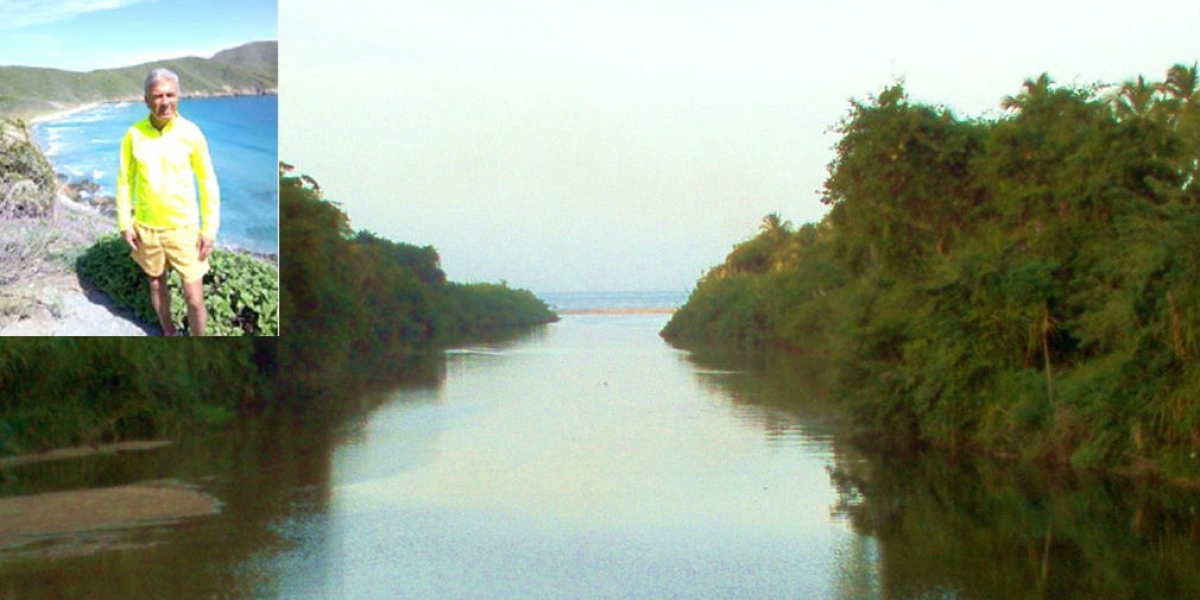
(1026, 284)
(349, 295)
(66, 391)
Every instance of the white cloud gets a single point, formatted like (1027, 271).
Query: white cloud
(18, 14)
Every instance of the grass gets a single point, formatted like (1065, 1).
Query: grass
(38, 254)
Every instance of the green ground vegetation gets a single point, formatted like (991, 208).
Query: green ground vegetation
(1024, 284)
(57, 392)
(241, 292)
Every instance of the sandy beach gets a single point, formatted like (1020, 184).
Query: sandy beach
(66, 111)
(662, 310)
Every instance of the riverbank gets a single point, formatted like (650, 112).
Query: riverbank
(965, 312)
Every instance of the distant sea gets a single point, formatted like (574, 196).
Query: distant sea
(242, 133)
(566, 302)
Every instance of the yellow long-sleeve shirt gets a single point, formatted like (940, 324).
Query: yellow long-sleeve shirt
(158, 178)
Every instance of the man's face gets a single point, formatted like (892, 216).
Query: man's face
(163, 99)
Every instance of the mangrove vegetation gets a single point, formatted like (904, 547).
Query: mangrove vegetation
(1024, 284)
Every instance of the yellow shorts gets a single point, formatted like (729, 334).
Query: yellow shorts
(160, 248)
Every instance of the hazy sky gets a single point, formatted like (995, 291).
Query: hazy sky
(625, 144)
(84, 35)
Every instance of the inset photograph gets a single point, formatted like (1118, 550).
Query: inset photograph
(139, 169)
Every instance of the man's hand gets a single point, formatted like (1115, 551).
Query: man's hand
(205, 247)
(131, 238)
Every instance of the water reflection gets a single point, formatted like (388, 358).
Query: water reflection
(194, 558)
(273, 480)
(935, 526)
(591, 460)
(583, 463)
(995, 530)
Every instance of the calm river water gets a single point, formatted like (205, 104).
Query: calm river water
(590, 460)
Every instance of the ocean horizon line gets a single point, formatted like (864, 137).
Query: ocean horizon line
(614, 302)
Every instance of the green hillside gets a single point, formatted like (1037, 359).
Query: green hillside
(255, 56)
(245, 70)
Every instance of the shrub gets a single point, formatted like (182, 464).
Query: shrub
(27, 180)
(241, 292)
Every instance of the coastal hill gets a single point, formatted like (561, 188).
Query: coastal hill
(249, 69)
(256, 56)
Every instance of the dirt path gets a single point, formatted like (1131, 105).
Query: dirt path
(43, 296)
(63, 306)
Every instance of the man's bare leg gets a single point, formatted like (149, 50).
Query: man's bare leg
(160, 299)
(193, 293)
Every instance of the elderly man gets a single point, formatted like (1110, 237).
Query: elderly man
(164, 158)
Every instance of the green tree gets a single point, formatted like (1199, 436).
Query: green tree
(901, 186)
(1024, 284)
(1135, 99)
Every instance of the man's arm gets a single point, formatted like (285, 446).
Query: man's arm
(210, 191)
(125, 174)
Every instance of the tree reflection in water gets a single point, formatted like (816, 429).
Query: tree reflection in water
(938, 526)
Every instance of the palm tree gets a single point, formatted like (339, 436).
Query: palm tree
(1182, 86)
(1134, 99)
(1181, 92)
(774, 227)
(1031, 90)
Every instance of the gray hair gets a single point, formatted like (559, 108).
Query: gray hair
(158, 75)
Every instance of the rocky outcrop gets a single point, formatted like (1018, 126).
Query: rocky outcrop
(27, 181)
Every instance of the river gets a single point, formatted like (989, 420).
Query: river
(588, 459)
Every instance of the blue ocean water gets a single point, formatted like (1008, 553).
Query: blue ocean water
(242, 133)
(584, 301)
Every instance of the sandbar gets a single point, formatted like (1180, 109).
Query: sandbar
(74, 511)
(618, 311)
